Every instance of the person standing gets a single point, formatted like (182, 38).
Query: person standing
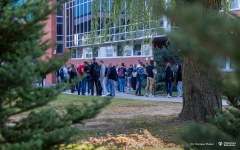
(102, 77)
(94, 72)
(129, 76)
(86, 80)
(78, 76)
(172, 81)
(121, 76)
(138, 64)
(65, 72)
(134, 77)
(112, 76)
(150, 71)
(169, 77)
(140, 79)
(154, 86)
(80, 73)
(117, 82)
(179, 80)
(72, 74)
(108, 80)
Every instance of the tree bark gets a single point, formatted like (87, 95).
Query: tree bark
(199, 95)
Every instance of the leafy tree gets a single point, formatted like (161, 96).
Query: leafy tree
(205, 37)
(19, 71)
(162, 56)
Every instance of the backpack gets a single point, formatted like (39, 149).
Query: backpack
(164, 75)
(96, 70)
(61, 73)
(115, 75)
(134, 74)
(129, 72)
(120, 72)
(106, 72)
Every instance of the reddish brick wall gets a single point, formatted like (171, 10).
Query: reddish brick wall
(115, 61)
(51, 29)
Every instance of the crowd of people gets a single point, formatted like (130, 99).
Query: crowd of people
(108, 79)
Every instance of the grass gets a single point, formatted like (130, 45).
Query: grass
(143, 91)
(66, 99)
(126, 116)
(168, 128)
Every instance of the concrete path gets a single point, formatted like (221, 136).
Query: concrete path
(159, 98)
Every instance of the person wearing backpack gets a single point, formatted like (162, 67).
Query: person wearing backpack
(121, 76)
(102, 77)
(140, 79)
(134, 77)
(150, 71)
(72, 74)
(94, 72)
(129, 75)
(112, 76)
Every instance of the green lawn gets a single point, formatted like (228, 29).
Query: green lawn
(143, 91)
(128, 116)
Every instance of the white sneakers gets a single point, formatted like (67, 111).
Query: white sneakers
(146, 94)
(150, 95)
(168, 96)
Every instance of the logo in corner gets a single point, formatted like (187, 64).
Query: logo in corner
(220, 143)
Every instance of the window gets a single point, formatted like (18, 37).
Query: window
(235, 4)
(88, 53)
(79, 53)
(137, 50)
(59, 48)
(95, 52)
(146, 48)
(59, 29)
(120, 50)
(74, 53)
(109, 51)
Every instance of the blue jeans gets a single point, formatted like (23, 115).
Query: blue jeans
(107, 83)
(83, 86)
(171, 89)
(88, 81)
(122, 82)
(118, 85)
(112, 87)
(139, 86)
(79, 85)
(179, 88)
(168, 85)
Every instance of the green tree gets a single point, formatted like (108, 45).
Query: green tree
(205, 37)
(19, 71)
(162, 56)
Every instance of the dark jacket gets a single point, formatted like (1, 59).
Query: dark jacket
(169, 73)
(72, 74)
(91, 68)
(129, 72)
(179, 75)
(113, 73)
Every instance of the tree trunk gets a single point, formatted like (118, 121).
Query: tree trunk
(199, 95)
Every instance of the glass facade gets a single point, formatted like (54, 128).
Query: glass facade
(78, 26)
(60, 30)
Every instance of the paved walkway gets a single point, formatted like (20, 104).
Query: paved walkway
(159, 98)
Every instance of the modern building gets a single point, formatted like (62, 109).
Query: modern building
(71, 28)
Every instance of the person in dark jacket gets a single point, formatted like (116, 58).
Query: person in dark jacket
(140, 79)
(179, 80)
(129, 76)
(94, 79)
(134, 77)
(72, 74)
(112, 74)
(169, 79)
